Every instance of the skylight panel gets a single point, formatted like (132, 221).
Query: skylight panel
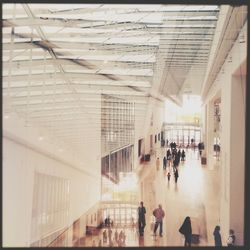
(181, 26)
(138, 72)
(63, 7)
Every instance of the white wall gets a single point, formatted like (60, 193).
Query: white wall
(237, 157)
(143, 129)
(23, 155)
(232, 120)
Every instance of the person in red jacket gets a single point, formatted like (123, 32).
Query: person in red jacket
(159, 215)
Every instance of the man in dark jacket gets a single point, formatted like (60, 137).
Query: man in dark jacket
(141, 218)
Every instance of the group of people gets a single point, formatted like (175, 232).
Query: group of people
(173, 157)
(119, 239)
(185, 229)
(108, 222)
(158, 214)
(217, 237)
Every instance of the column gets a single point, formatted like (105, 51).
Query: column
(237, 157)
(233, 158)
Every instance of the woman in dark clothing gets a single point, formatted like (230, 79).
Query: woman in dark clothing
(186, 230)
(217, 237)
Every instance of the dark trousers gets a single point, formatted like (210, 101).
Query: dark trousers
(176, 178)
(187, 242)
(141, 224)
(156, 226)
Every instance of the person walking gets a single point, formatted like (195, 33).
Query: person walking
(159, 215)
(157, 163)
(164, 163)
(217, 236)
(200, 148)
(176, 175)
(186, 230)
(141, 218)
(169, 175)
(183, 155)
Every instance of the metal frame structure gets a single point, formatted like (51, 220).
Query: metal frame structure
(58, 60)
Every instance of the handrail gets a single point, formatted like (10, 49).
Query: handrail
(71, 225)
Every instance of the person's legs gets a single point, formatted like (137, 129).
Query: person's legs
(156, 226)
(161, 228)
(185, 242)
(143, 225)
(140, 227)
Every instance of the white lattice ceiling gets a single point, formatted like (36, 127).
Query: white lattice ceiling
(59, 58)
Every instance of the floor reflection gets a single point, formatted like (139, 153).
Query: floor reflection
(141, 241)
(190, 196)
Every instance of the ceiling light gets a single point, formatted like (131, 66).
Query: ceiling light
(6, 116)
(40, 138)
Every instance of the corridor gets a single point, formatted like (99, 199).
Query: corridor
(92, 94)
(196, 194)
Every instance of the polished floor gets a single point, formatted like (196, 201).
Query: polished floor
(196, 194)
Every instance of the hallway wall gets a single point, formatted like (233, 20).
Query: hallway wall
(232, 122)
(152, 126)
(23, 156)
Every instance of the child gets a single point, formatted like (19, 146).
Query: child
(231, 238)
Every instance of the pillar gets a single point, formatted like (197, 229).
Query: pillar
(233, 158)
(237, 157)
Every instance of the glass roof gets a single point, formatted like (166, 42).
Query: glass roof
(76, 52)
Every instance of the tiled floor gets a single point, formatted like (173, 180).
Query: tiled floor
(196, 194)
